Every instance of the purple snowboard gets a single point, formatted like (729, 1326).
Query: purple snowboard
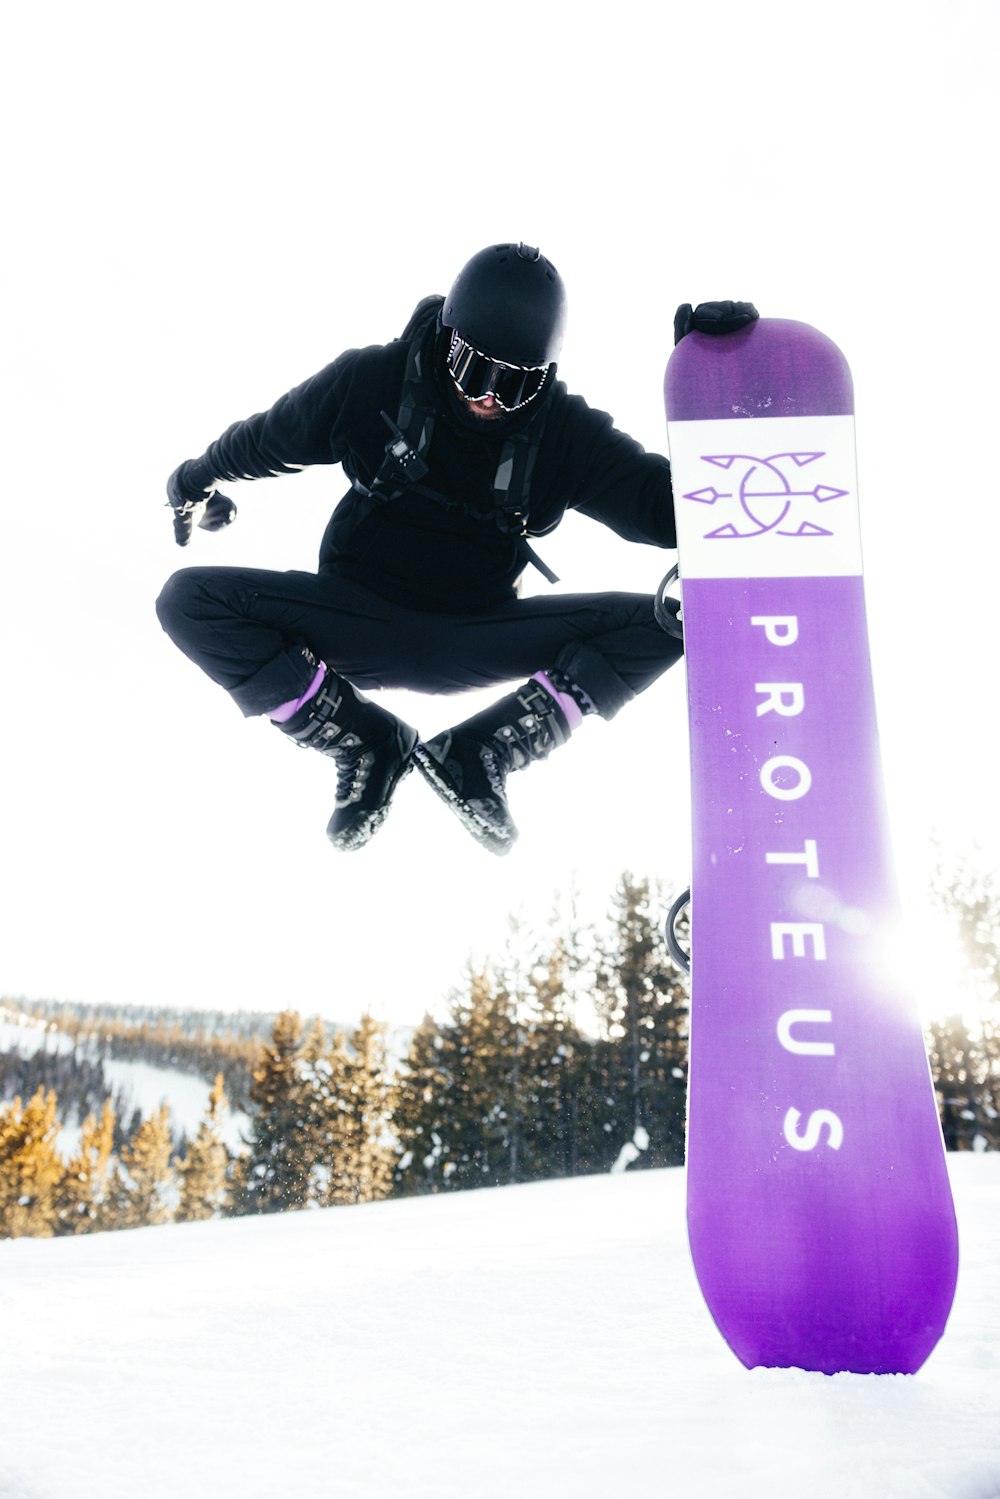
(819, 1208)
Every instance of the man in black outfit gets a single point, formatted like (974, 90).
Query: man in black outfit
(459, 443)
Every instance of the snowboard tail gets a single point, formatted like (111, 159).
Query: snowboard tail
(819, 1207)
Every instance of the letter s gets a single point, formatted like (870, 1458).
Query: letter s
(814, 1128)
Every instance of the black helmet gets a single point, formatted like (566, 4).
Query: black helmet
(509, 302)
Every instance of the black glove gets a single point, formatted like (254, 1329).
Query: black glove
(713, 317)
(191, 488)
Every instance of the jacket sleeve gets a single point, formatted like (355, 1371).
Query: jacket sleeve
(624, 487)
(302, 428)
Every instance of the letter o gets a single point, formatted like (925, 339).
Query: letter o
(785, 762)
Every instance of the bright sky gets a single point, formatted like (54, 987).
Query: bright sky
(208, 202)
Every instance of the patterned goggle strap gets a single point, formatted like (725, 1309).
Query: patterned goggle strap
(477, 375)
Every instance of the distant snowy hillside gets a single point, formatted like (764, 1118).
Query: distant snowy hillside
(26, 1035)
(140, 1085)
(539, 1342)
(147, 1088)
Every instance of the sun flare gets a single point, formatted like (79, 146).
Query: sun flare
(925, 956)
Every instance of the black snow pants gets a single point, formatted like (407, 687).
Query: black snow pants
(247, 628)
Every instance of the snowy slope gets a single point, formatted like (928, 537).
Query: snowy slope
(186, 1095)
(533, 1341)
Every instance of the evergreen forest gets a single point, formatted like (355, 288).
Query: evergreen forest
(565, 1054)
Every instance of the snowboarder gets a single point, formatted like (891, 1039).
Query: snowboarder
(459, 443)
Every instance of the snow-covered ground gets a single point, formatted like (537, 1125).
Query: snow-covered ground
(531, 1341)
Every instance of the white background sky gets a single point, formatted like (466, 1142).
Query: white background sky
(208, 202)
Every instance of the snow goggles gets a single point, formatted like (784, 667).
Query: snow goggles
(477, 375)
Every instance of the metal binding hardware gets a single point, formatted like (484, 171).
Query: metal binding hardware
(668, 610)
(680, 957)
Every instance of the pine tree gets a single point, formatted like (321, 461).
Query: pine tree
(276, 1174)
(84, 1186)
(422, 1109)
(970, 895)
(361, 1158)
(202, 1171)
(30, 1168)
(453, 1107)
(320, 1068)
(141, 1187)
(644, 1008)
(955, 1067)
(483, 1052)
(553, 1071)
(966, 1063)
(498, 1092)
(570, 1103)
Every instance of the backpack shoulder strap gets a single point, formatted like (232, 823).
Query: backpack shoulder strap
(512, 481)
(416, 409)
(512, 490)
(410, 434)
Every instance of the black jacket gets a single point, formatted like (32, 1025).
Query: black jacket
(445, 556)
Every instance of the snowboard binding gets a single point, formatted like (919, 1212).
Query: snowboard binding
(676, 951)
(668, 609)
(669, 617)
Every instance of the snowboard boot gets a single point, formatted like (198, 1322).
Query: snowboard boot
(372, 750)
(468, 765)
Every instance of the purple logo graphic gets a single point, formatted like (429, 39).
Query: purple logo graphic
(766, 495)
